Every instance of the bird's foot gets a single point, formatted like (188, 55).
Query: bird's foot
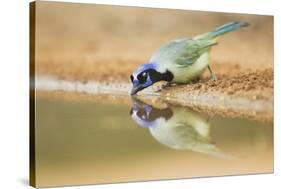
(213, 77)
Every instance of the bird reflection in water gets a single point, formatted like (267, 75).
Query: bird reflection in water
(175, 127)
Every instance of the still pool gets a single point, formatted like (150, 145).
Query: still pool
(97, 141)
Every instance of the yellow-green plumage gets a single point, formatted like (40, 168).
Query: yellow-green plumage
(187, 58)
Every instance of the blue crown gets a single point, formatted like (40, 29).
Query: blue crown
(144, 67)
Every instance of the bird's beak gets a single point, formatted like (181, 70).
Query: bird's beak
(135, 89)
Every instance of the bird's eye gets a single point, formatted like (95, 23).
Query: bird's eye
(142, 77)
(141, 114)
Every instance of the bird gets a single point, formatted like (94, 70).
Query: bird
(176, 127)
(181, 60)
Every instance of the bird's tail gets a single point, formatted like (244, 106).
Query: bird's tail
(229, 27)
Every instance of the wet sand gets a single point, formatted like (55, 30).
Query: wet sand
(258, 110)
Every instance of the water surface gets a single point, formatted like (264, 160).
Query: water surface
(88, 142)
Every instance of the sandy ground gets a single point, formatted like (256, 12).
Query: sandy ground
(253, 85)
(106, 43)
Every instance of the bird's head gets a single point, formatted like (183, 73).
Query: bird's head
(146, 75)
(146, 115)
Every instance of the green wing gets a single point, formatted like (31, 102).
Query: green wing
(193, 50)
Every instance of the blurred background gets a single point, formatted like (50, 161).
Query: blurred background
(86, 41)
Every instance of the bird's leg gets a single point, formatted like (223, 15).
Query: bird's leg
(213, 76)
